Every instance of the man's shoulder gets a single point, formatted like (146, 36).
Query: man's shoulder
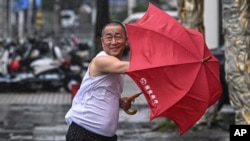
(102, 53)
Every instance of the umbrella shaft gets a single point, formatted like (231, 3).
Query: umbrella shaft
(133, 97)
(206, 59)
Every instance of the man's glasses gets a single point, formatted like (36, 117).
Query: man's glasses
(111, 38)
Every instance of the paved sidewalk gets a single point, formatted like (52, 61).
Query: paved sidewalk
(61, 97)
(40, 117)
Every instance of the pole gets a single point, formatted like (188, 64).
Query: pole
(20, 23)
(212, 23)
(56, 17)
(29, 18)
(131, 5)
(10, 17)
(3, 18)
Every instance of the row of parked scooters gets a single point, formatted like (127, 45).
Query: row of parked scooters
(42, 64)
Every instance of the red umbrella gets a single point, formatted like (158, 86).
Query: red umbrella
(173, 67)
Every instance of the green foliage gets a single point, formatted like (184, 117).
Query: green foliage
(48, 5)
(121, 15)
(166, 125)
(141, 7)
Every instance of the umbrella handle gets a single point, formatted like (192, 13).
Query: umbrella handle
(129, 112)
(130, 99)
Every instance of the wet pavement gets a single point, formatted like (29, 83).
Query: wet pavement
(40, 117)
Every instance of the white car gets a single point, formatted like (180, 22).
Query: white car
(136, 16)
(68, 18)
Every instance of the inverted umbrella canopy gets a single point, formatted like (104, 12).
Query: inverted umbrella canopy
(173, 67)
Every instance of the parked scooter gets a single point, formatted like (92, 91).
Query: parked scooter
(77, 53)
(9, 79)
(54, 73)
(45, 72)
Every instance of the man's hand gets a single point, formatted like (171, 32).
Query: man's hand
(125, 104)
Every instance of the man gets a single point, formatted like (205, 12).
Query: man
(95, 108)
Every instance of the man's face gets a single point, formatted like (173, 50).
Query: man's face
(114, 40)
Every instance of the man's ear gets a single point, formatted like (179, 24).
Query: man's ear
(127, 45)
(127, 42)
(101, 41)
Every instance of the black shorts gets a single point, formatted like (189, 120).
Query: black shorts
(78, 133)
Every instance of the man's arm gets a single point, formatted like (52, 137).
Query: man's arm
(108, 64)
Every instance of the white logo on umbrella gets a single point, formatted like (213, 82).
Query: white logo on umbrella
(149, 91)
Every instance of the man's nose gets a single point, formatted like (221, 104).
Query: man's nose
(113, 40)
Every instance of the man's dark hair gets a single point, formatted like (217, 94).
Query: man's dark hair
(115, 22)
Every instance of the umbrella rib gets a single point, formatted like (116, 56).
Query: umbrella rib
(159, 66)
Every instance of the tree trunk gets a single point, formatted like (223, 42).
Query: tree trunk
(236, 29)
(102, 18)
(191, 14)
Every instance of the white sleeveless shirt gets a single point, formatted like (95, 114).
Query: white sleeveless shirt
(96, 104)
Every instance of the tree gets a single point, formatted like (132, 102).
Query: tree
(102, 18)
(237, 65)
